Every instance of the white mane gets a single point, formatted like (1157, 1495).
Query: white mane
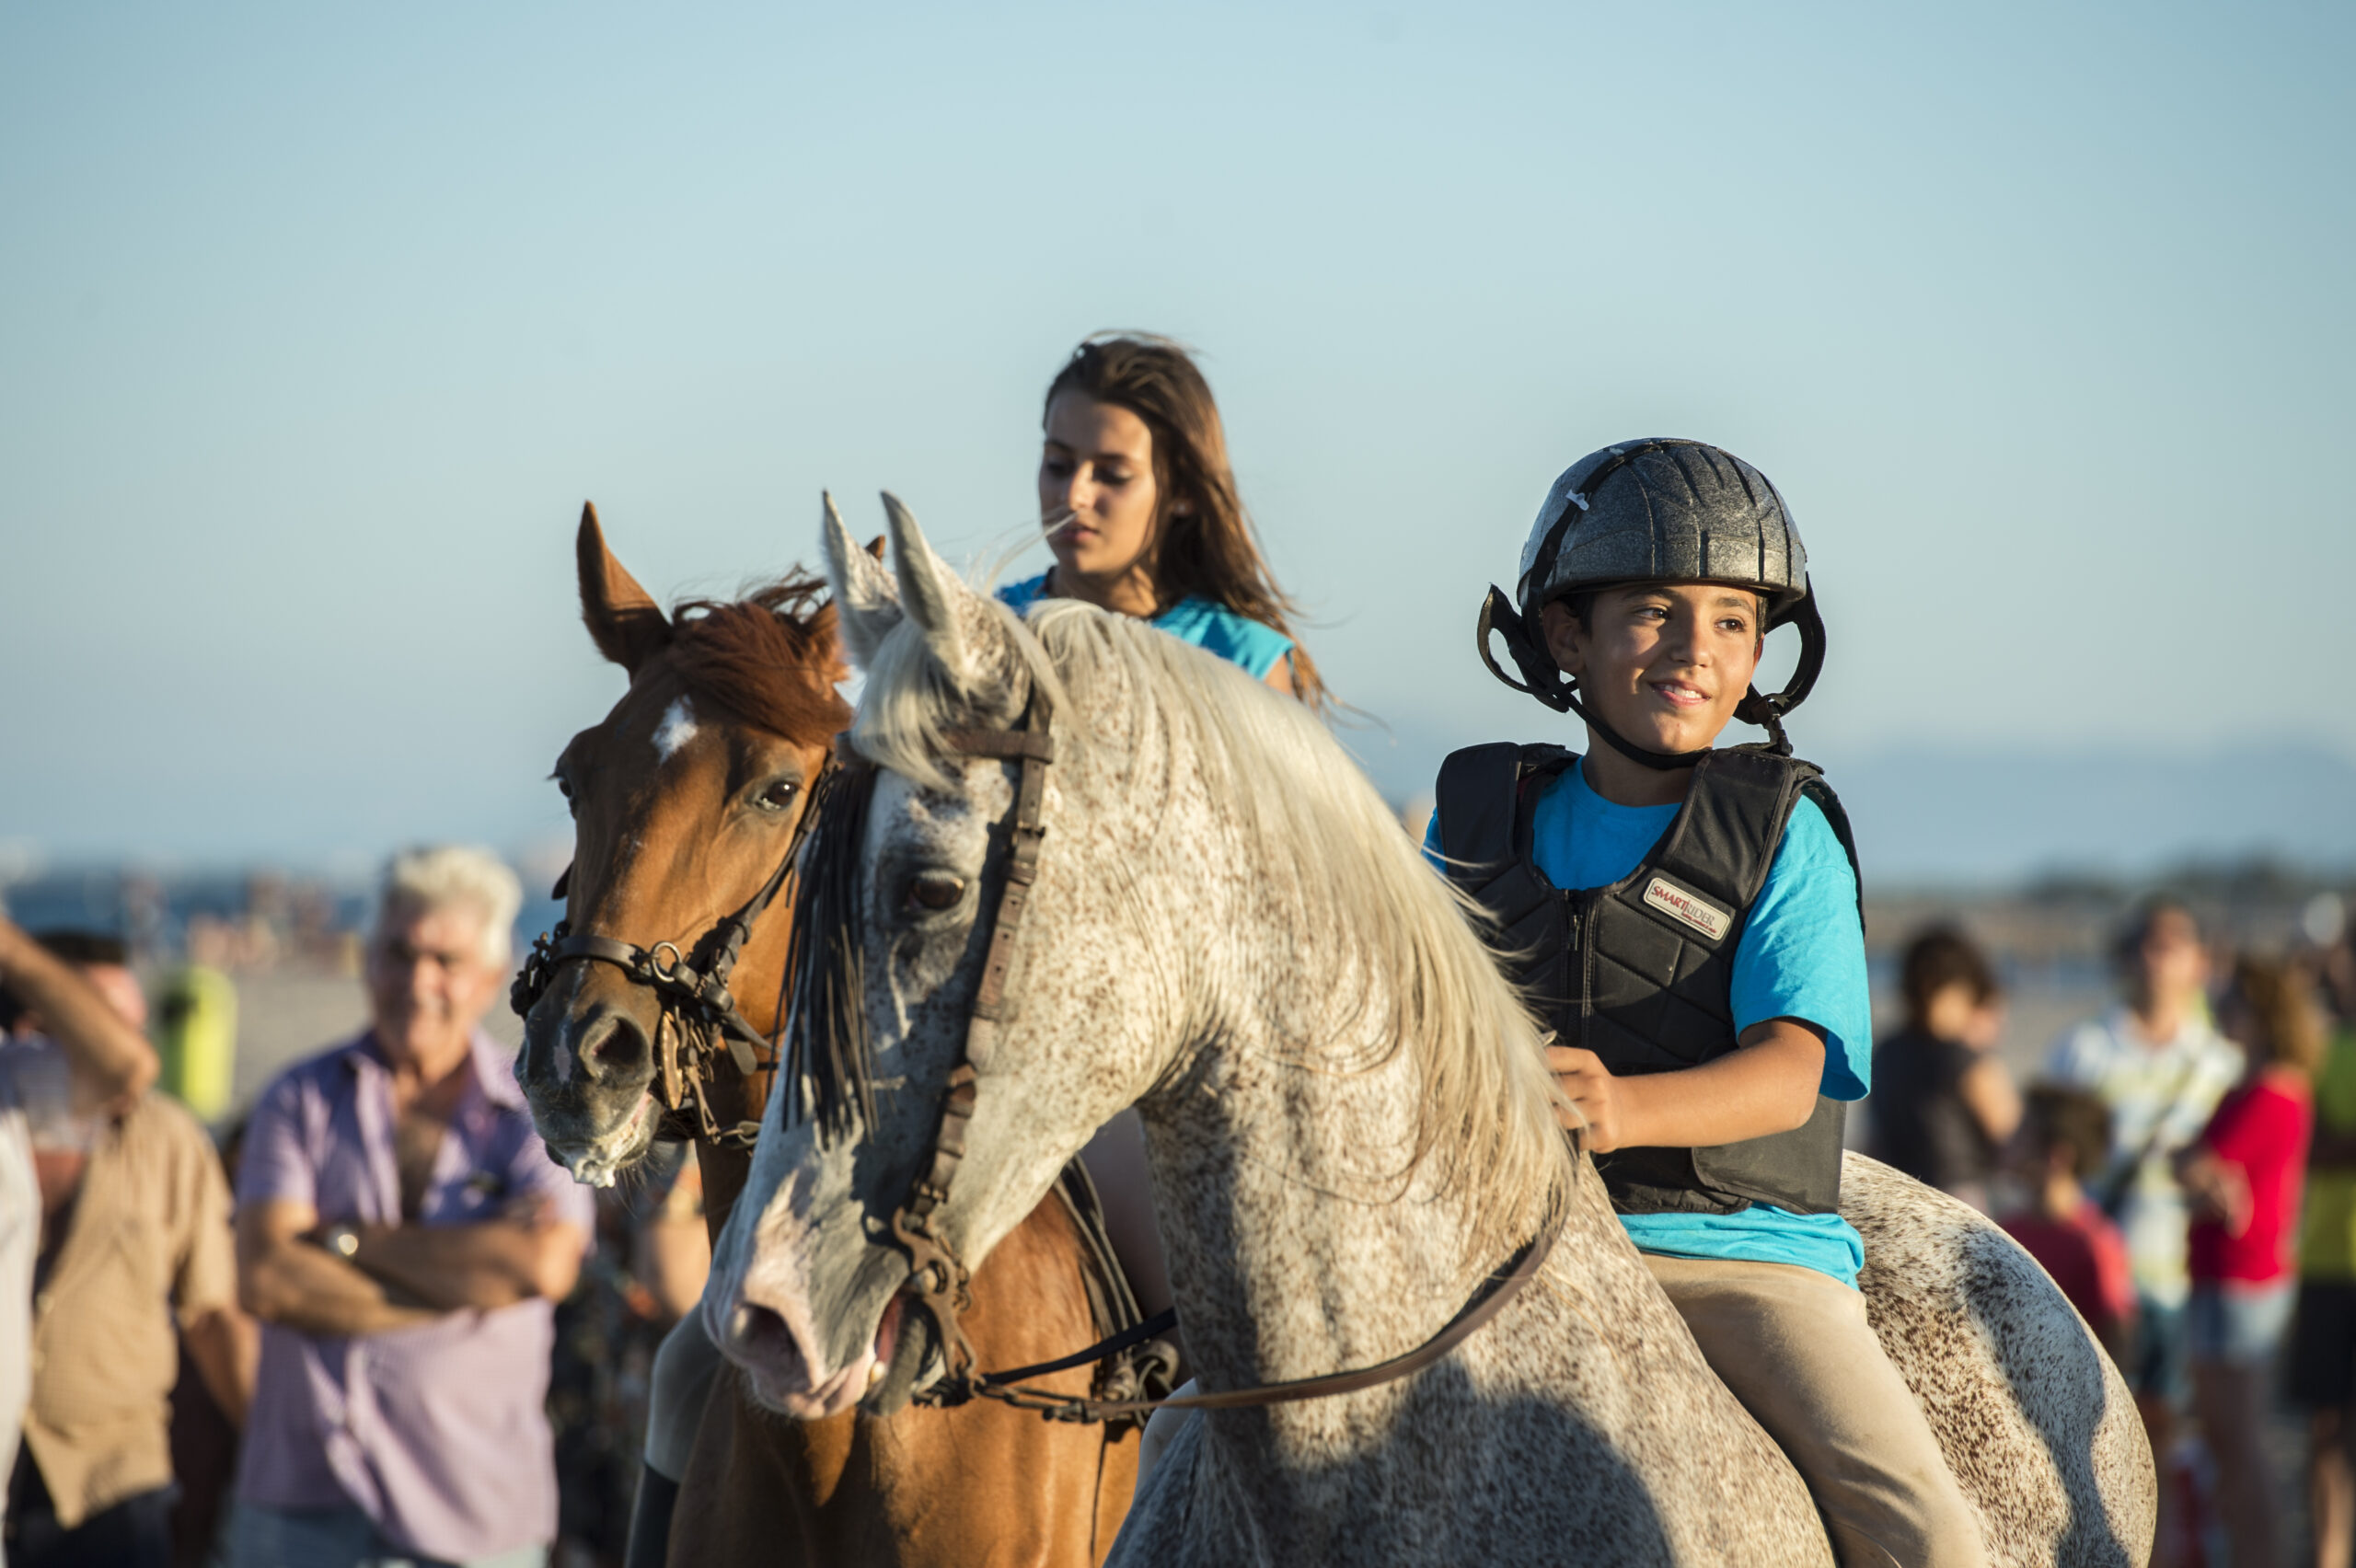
(1307, 817)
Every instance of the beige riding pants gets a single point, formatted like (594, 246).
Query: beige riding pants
(1795, 1347)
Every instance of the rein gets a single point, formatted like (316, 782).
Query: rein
(939, 1283)
(699, 1017)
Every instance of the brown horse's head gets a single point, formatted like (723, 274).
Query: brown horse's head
(684, 802)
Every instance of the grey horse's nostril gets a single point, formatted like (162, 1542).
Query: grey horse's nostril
(754, 1330)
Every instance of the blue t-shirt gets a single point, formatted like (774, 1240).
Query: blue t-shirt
(1208, 624)
(1801, 955)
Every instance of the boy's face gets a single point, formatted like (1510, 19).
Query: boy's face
(1664, 663)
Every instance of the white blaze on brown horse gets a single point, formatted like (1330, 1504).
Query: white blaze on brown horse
(685, 798)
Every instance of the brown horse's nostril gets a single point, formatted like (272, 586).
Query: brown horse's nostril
(616, 1047)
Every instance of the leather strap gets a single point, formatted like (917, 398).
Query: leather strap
(1485, 1304)
(941, 1284)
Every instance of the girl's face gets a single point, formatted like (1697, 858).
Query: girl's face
(1663, 663)
(1098, 498)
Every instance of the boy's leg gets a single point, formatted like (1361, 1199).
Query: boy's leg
(1795, 1347)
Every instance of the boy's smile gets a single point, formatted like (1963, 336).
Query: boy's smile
(1664, 665)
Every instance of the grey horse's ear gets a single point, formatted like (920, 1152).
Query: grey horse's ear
(867, 601)
(929, 592)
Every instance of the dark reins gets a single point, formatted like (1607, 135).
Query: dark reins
(699, 1017)
(939, 1281)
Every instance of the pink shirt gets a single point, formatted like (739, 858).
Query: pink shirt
(438, 1431)
(2263, 1127)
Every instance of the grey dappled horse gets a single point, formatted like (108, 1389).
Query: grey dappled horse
(1349, 1130)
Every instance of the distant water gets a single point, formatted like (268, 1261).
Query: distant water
(105, 899)
(1991, 818)
(1960, 817)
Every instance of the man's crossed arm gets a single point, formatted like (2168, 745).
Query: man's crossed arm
(398, 1275)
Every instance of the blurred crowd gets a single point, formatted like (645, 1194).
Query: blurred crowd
(2184, 1166)
(376, 1324)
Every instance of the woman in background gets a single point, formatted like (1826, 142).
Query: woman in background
(2242, 1178)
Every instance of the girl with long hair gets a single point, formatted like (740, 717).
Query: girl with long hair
(1141, 510)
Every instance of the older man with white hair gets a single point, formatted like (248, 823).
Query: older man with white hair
(403, 1235)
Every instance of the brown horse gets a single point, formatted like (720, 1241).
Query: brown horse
(685, 800)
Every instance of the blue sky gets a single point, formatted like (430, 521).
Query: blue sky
(317, 324)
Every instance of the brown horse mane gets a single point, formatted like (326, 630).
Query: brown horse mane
(768, 658)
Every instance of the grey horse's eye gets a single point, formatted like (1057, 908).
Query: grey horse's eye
(933, 891)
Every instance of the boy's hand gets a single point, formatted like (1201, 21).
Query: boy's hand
(1588, 1084)
(1769, 1084)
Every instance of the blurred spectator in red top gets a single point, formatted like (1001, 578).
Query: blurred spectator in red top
(2243, 1177)
(2064, 1137)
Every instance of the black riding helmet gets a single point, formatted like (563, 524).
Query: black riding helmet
(1657, 511)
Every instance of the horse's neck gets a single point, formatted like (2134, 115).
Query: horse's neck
(1300, 1244)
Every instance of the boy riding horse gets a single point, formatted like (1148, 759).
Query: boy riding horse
(1685, 919)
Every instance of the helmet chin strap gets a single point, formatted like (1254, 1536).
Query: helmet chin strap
(1544, 680)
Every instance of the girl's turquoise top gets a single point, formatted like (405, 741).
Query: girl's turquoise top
(1208, 624)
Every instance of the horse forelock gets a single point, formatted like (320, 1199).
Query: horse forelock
(910, 702)
(769, 659)
(1303, 814)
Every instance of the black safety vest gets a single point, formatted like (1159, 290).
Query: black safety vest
(1640, 971)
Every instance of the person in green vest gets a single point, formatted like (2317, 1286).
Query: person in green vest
(2321, 1372)
(196, 1034)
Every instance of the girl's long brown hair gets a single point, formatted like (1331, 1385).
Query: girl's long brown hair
(2281, 1003)
(1211, 549)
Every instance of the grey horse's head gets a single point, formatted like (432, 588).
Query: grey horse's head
(808, 1289)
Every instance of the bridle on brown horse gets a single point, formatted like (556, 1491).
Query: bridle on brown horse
(700, 1017)
(939, 1282)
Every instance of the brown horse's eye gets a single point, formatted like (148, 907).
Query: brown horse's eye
(778, 795)
(935, 891)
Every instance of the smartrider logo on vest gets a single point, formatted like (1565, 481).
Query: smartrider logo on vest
(1678, 905)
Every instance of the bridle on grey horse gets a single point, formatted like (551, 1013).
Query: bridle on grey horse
(700, 1017)
(939, 1282)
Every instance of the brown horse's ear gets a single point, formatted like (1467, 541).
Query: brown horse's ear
(623, 619)
(825, 624)
(875, 546)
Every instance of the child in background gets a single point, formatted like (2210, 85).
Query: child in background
(2065, 1137)
(2243, 1176)
(1943, 1103)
